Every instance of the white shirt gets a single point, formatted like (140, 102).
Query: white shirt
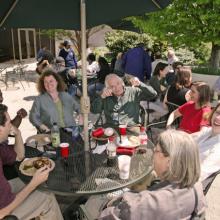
(93, 68)
(209, 149)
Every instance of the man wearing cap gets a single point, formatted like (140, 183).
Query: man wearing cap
(68, 55)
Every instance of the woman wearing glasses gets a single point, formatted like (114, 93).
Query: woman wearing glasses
(176, 162)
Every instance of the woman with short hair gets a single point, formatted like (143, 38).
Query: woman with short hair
(53, 105)
(194, 112)
(176, 162)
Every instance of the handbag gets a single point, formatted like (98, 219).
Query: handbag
(195, 215)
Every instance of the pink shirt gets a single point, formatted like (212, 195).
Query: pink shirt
(7, 156)
(192, 118)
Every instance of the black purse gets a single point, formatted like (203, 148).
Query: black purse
(195, 215)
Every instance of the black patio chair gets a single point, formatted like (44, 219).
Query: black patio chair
(161, 122)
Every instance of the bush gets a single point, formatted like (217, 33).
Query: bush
(206, 70)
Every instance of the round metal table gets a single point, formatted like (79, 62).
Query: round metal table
(79, 173)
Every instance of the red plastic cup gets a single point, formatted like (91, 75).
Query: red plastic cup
(64, 147)
(98, 132)
(122, 129)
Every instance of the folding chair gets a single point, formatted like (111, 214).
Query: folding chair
(172, 107)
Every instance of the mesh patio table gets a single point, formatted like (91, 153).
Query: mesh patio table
(80, 173)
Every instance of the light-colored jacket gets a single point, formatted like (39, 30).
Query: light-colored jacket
(209, 149)
(44, 110)
(169, 202)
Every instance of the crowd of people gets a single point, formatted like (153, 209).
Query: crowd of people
(118, 91)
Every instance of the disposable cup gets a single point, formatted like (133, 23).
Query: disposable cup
(98, 132)
(122, 129)
(64, 147)
(124, 162)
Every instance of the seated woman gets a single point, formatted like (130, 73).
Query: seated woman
(101, 74)
(158, 82)
(194, 112)
(176, 162)
(53, 104)
(179, 92)
(208, 140)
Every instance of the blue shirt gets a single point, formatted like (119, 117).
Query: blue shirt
(137, 62)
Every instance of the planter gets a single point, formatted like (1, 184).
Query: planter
(210, 79)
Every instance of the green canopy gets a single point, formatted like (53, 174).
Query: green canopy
(73, 15)
(65, 14)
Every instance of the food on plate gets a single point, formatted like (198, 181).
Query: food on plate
(134, 140)
(109, 131)
(41, 162)
(29, 166)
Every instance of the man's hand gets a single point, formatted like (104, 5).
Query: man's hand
(14, 131)
(40, 176)
(106, 93)
(22, 113)
(135, 81)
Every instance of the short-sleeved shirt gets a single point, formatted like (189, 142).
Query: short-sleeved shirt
(7, 156)
(193, 119)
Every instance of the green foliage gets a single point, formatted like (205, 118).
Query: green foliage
(206, 70)
(121, 41)
(185, 23)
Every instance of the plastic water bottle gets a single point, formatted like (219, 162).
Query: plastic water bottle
(143, 136)
(55, 135)
(111, 152)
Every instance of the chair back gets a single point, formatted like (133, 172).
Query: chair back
(172, 107)
(143, 117)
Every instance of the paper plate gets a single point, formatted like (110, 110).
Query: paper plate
(27, 168)
(129, 142)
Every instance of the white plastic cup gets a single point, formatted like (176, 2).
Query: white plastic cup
(124, 162)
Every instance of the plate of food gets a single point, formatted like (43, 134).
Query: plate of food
(103, 133)
(130, 141)
(29, 166)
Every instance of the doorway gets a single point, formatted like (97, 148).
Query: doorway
(26, 43)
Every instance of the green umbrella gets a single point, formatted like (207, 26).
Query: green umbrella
(73, 15)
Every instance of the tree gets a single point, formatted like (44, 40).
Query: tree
(73, 35)
(186, 23)
(121, 41)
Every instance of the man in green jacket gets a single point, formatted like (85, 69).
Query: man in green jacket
(121, 104)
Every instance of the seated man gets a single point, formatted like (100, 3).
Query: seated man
(17, 199)
(21, 113)
(120, 103)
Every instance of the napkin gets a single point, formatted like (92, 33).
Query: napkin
(99, 149)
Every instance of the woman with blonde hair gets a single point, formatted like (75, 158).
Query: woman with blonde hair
(193, 112)
(176, 162)
(53, 105)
